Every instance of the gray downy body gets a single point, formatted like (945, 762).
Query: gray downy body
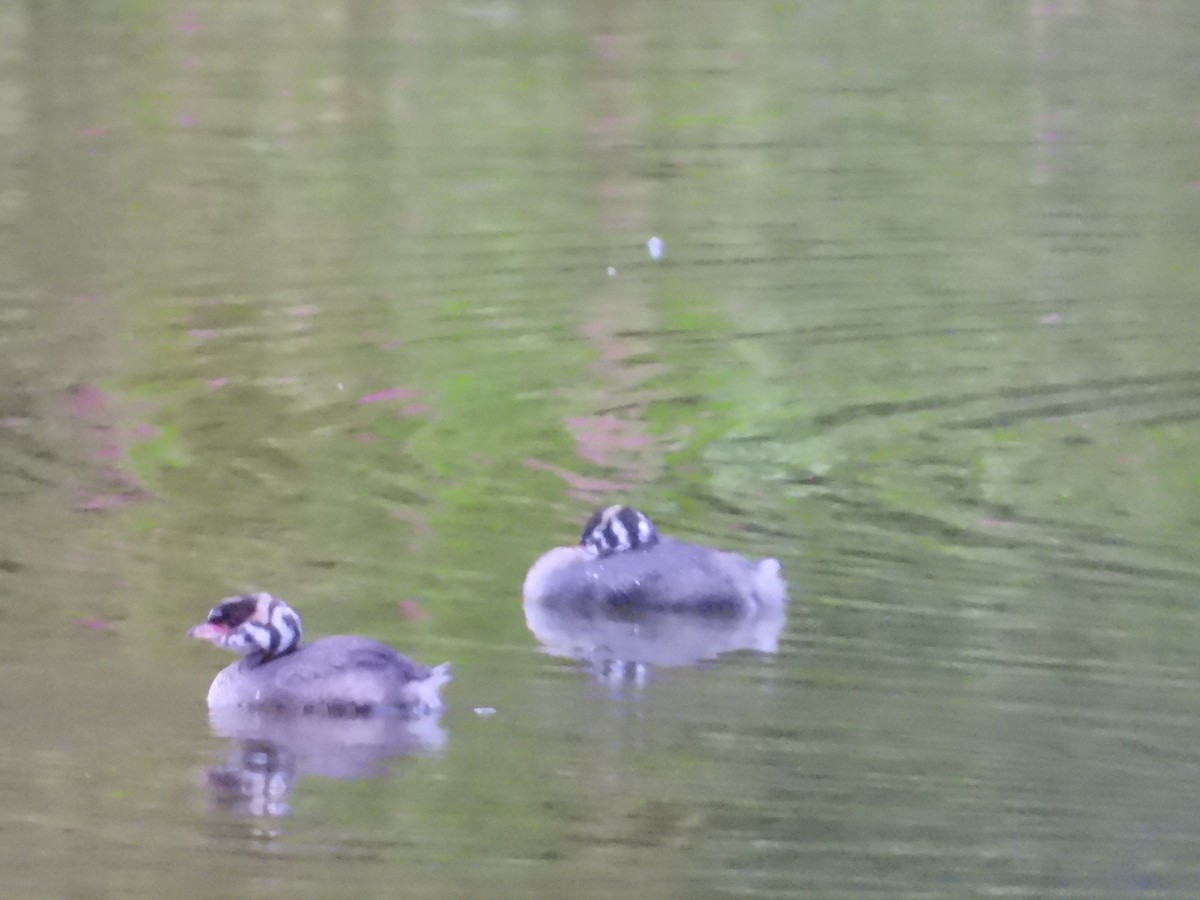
(621, 561)
(339, 675)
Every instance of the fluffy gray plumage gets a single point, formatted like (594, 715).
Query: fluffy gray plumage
(661, 573)
(341, 675)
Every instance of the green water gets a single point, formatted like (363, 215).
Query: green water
(353, 302)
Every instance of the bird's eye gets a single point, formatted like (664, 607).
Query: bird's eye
(233, 612)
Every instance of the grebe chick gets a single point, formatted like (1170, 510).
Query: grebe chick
(622, 560)
(338, 676)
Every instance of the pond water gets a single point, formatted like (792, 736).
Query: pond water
(355, 303)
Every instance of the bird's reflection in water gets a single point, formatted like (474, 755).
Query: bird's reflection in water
(269, 752)
(622, 644)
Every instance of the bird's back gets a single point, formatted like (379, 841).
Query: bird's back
(671, 576)
(340, 675)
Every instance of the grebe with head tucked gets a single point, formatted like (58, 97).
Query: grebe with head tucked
(622, 560)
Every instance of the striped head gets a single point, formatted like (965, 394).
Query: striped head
(616, 529)
(251, 623)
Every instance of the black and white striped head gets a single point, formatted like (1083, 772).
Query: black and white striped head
(616, 529)
(251, 623)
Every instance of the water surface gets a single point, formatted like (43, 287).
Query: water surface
(353, 302)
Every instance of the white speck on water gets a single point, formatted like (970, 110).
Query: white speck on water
(341, 387)
(484, 711)
(612, 270)
(656, 247)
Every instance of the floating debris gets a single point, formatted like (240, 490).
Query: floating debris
(656, 247)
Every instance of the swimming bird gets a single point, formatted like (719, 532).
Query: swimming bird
(342, 675)
(621, 560)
